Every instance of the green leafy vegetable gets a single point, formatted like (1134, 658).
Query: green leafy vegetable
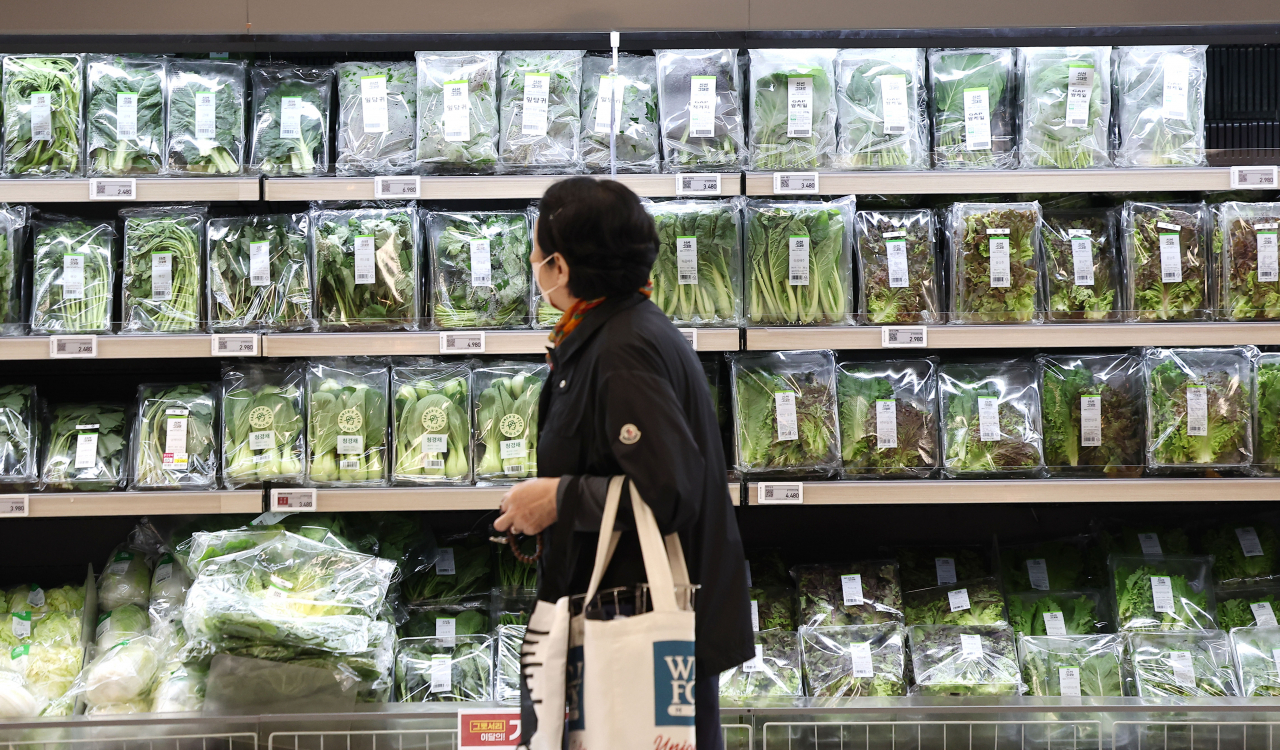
(1221, 379)
(966, 603)
(440, 147)
(1164, 284)
(43, 126)
(467, 615)
(206, 117)
(995, 262)
(536, 140)
(800, 263)
(906, 390)
(129, 139)
(445, 670)
(897, 268)
(636, 118)
(281, 144)
(1057, 131)
(258, 273)
(1267, 444)
(1235, 605)
(379, 138)
(167, 455)
(481, 272)
(784, 137)
(1242, 553)
(961, 82)
(833, 663)
(366, 264)
(1186, 592)
(19, 438)
(162, 279)
(865, 593)
(704, 290)
(1110, 386)
(870, 137)
(1012, 443)
(1097, 659)
(101, 470)
(1079, 610)
(432, 423)
(1241, 230)
(708, 140)
(766, 439)
(1152, 132)
(347, 422)
(71, 250)
(1054, 565)
(508, 640)
(506, 421)
(1255, 652)
(944, 666)
(1092, 292)
(774, 672)
(926, 567)
(1191, 665)
(775, 605)
(262, 425)
(472, 564)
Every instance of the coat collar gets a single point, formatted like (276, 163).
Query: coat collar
(594, 319)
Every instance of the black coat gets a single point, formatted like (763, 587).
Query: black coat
(626, 370)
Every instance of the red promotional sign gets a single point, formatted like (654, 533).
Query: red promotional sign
(493, 729)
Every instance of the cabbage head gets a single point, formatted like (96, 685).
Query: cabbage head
(129, 621)
(51, 670)
(123, 673)
(57, 629)
(125, 580)
(16, 701)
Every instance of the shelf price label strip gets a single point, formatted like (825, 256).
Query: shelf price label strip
(293, 500)
(15, 506)
(400, 187)
(73, 347)
(904, 337)
(236, 345)
(462, 342)
(113, 189)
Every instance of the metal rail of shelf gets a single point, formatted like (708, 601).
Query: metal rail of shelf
(473, 187)
(987, 491)
(944, 181)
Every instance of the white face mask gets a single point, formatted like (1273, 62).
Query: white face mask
(537, 279)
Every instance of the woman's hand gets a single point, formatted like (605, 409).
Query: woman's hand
(529, 507)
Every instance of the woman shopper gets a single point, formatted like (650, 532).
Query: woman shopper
(627, 395)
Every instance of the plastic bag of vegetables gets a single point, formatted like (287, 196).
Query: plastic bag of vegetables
(87, 447)
(888, 417)
(366, 264)
(774, 671)
(17, 700)
(508, 639)
(1160, 105)
(32, 597)
(445, 670)
(635, 113)
(799, 256)
(1081, 265)
(854, 661)
(125, 115)
(461, 567)
(539, 96)
(786, 412)
(1057, 612)
(1066, 107)
(120, 679)
(972, 95)
(991, 419)
(1092, 407)
(432, 422)
(941, 565)
(480, 268)
(1200, 408)
(43, 121)
(169, 583)
(793, 109)
(206, 117)
(176, 445)
(1194, 664)
(697, 277)
(1073, 665)
(1248, 271)
(179, 687)
(898, 273)
(14, 265)
(291, 119)
(506, 420)
(457, 111)
(163, 283)
(881, 116)
(19, 437)
(446, 618)
(974, 602)
(995, 262)
(700, 102)
(121, 623)
(1052, 565)
(1255, 651)
(262, 438)
(964, 660)
(1171, 592)
(377, 117)
(347, 422)
(862, 593)
(126, 579)
(1243, 552)
(1243, 606)
(259, 278)
(74, 276)
(1166, 261)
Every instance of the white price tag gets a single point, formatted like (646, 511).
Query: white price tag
(259, 263)
(481, 263)
(1260, 177)
(206, 115)
(605, 100)
(690, 335)
(126, 115)
(441, 673)
(977, 120)
(999, 248)
(113, 189)
(780, 493)
(897, 262)
(851, 587)
(886, 423)
(462, 342)
(686, 260)
(373, 104)
(73, 347)
(1090, 421)
(800, 107)
(447, 628)
(784, 403)
(893, 103)
(162, 276)
(1268, 262)
(445, 565)
(1038, 573)
(20, 623)
(1250, 545)
(1069, 682)
(512, 449)
(235, 344)
(970, 646)
(73, 276)
(365, 263)
(399, 187)
(988, 419)
(164, 571)
(293, 500)
(1162, 594)
(1082, 260)
(795, 183)
(698, 184)
(175, 439)
(1054, 624)
(42, 116)
(350, 445)
(904, 337)
(35, 597)
(755, 616)
(702, 106)
(1197, 410)
(86, 446)
(290, 117)
(755, 663)
(1079, 90)
(945, 567)
(1150, 545)
(1184, 670)
(958, 599)
(1263, 615)
(860, 660)
(457, 112)
(15, 506)
(798, 261)
(1170, 257)
(429, 443)
(537, 93)
(1177, 75)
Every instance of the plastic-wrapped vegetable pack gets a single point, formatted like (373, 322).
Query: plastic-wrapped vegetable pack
(774, 672)
(1243, 552)
(462, 567)
(464, 615)
(259, 278)
(800, 270)
(700, 102)
(888, 417)
(14, 262)
(206, 117)
(854, 661)
(942, 565)
(1247, 266)
(1194, 664)
(1166, 261)
(1200, 408)
(43, 122)
(125, 115)
(990, 419)
(1057, 565)
(793, 109)
(1266, 459)
(366, 263)
(347, 422)
(1255, 651)
(432, 422)
(71, 250)
(862, 593)
(697, 277)
(377, 117)
(635, 114)
(964, 660)
(995, 262)
(457, 111)
(262, 422)
(291, 119)
(1243, 606)
(1160, 105)
(1092, 410)
(31, 597)
(1066, 107)
(508, 640)
(125, 580)
(973, 602)
(87, 446)
(972, 95)
(786, 412)
(122, 677)
(128, 621)
(539, 95)
(506, 420)
(163, 283)
(19, 437)
(1057, 613)
(176, 445)
(445, 669)
(881, 109)
(1082, 265)
(897, 268)
(1072, 665)
(1170, 592)
(480, 268)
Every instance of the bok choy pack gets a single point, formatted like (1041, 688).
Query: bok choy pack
(432, 422)
(785, 412)
(175, 441)
(347, 427)
(506, 420)
(262, 424)
(799, 266)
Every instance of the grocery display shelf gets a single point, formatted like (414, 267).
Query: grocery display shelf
(86, 504)
(474, 187)
(943, 181)
(989, 491)
(426, 343)
(157, 346)
(165, 189)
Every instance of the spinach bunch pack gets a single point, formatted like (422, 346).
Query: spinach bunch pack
(1200, 408)
(1166, 260)
(539, 100)
(897, 268)
(881, 114)
(1267, 444)
(861, 593)
(506, 420)
(1056, 613)
(347, 422)
(1160, 105)
(1081, 265)
(206, 117)
(377, 117)
(775, 670)
(697, 276)
(43, 125)
(1189, 665)
(480, 268)
(445, 669)
(976, 602)
(1170, 592)
(431, 422)
(995, 262)
(163, 279)
(888, 417)
(366, 265)
(262, 425)
(990, 419)
(86, 446)
(125, 115)
(259, 278)
(793, 109)
(1092, 410)
(1255, 650)
(786, 412)
(964, 660)
(1066, 107)
(175, 443)
(635, 113)
(799, 266)
(14, 227)
(1243, 553)
(700, 101)
(1073, 665)
(19, 436)
(291, 119)
(1245, 249)
(74, 276)
(457, 111)
(855, 661)
(972, 93)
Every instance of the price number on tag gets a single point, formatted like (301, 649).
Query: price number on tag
(398, 188)
(15, 506)
(235, 345)
(795, 182)
(690, 335)
(293, 500)
(73, 347)
(780, 493)
(462, 342)
(697, 184)
(1254, 178)
(113, 189)
(899, 337)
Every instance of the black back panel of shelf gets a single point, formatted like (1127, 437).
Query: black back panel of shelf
(1242, 99)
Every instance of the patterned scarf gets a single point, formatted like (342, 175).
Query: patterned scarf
(570, 319)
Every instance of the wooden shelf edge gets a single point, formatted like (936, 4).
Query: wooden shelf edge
(1000, 491)
(942, 181)
(340, 500)
(474, 187)
(91, 504)
(1041, 336)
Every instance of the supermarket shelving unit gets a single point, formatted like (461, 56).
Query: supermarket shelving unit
(1047, 336)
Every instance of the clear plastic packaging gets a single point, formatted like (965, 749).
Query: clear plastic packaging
(1244, 606)
(786, 412)
(125, 115)
(1166, 261)
(991, 419)
(700, 102)
(1247, 269)
(163, 264)
(973, 602)
(888, 418)
(706, 289)
(995, 262)
(941, 565)
(539, 95)
(347, 422)
(124, 622)
(445, 669)
(1160, 105)
(1172, 592)
(176, 443)
(508, 640)
(19, 437)
(1092, 410)
(964, 660)
(1082, 265)
(259, 277)
(505, 399)
(861, 593)
(67, 249)
(881, 101)
(898, 274)
(366, 262)
(291, 120)
(457, 112)
(793, 109)
(103, 431)
(799, 255)
(206, 117)
(43, 115)
(120, 679)
(480, 272)
(1056, 564)
(1255, 652)
(635, 116)
(855, 661)
(262, 422)
(1066, 107)
(1200, 408)
(1073, 665)
(169, 584)
(1195, 664)
(1266, 445)
(440, 617)
(472, 556)
(1244, 551)
(14, 267)
(1057, 613)
(432, 422)
(972, 93)
(125, 580)
(773, 672)
(377, 118)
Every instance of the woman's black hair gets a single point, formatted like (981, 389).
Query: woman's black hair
(602, 232)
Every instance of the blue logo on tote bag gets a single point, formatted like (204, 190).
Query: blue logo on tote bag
(673, 681)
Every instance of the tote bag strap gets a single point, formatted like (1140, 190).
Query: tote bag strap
(658, 562)
(675, 553)
(608, 540)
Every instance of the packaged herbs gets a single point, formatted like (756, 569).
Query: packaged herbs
(262, 423)
(175, 445)
(1190, 665)
(205, 133)
(775, 670)
(1248, 269)
(926, 567)
(888, 418)
(457, 111)
(71, 250)
(1092, 408)
(897, 268)
(259, 277)
(862, 593)
(995, 262)
(1256, 651)
(1160, 105)
(1056, 613)
(506, 420)
(972, 92)
(1166, 261)
(162, 269)
(635, 113)
(881, 109)
(1242, 606)
(366, 265)
(291, 119)
(990, 420)
(976, 602)
(1066, 107)
(432, 422)
(86, 447)
(1199, 407)
(541, 111)
(1059, 564)
(1072, 665)
(377, 117)
(793, 109)
(697, 277)
(480, 268)
(854, 661)
(786, 412)
(445, 669)
(800, 270)
(1266, 446)
(1082, 265)
(700, 103)
(19, 437)
(964, 660)
(1242, 552)
(43, 124)
(347, 422)
(125, 115)
(1173, 592)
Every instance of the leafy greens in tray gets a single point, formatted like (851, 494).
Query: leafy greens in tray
(888, 417)
(366, 265)
(995, 262)
(480, 266)
(786, 412)
(990, 419)
(798, 258)
(898, 268)
(206, 117)
(1092, 407)
(697, 277)
(1244, 246)
(291, 119)
(1166, 261)
(125, 115)
(793, 109)
(457, 111)
(972, 94)
(1200, 408)
(43, 123)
